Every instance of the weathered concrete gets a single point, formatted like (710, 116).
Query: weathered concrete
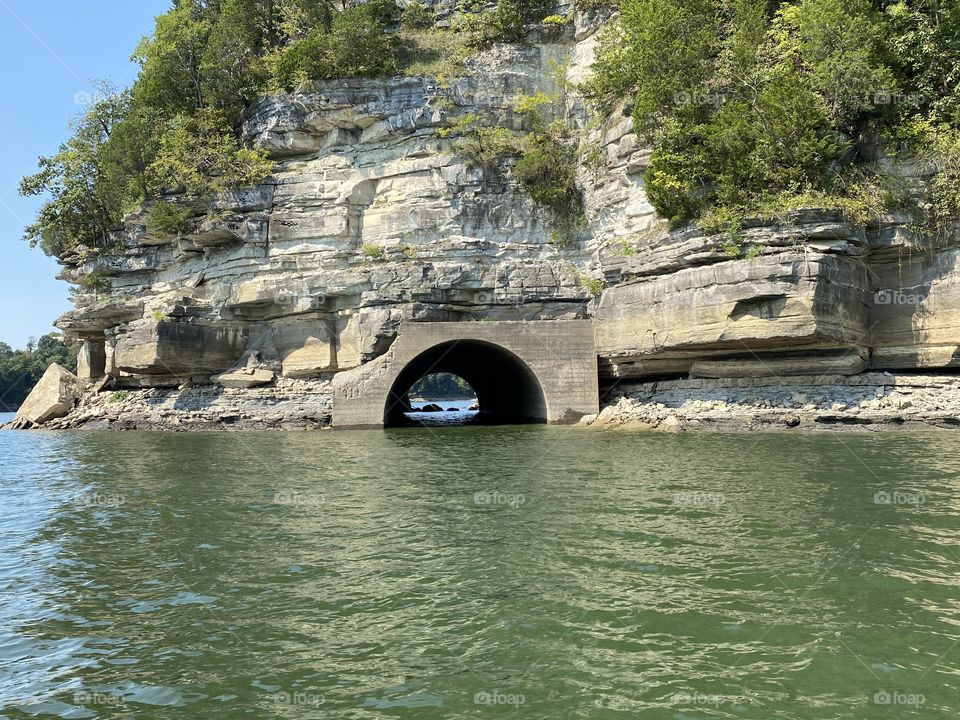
(543, 371)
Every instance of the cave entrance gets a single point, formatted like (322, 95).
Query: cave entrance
(506, 391)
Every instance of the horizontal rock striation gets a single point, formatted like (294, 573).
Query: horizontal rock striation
(373, 219)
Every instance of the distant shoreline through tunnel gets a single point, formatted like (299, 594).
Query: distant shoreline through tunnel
(508, 391)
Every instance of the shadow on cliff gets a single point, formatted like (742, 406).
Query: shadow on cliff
(910, 309)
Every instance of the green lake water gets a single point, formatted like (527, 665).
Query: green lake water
(528, 572)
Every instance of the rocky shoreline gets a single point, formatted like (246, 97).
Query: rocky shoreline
(864, 403)
(867, 402)
(288, 405)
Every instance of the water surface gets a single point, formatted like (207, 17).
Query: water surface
(477, 572)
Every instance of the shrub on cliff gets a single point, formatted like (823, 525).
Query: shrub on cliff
(198, 154)
(545, 164)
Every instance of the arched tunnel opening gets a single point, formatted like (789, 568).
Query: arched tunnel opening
(507, 391)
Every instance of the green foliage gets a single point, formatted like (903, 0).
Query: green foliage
(86, 205)
(442, 386)
(436, 52)
(21, 369)
(169, 218)
(839, 43)
(592, 285)
(545, 164)
(373, 251)
(199, 155)
(503, 23)
(937, 147)
(356, 44)
(923, 41)
(417, 16)
(115, 398)
(96, 281)
(547, 171)
(749, 103)
(660, 49)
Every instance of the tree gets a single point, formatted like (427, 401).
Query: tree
(199, 154)
(86, 199)
(171, 59)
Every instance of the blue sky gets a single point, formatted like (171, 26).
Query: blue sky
(51, 52)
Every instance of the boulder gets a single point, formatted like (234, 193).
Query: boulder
(245, 378)
(53, 397)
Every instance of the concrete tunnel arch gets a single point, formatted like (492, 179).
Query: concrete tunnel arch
(508, 391)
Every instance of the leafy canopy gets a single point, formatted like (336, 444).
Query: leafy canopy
(749, 102)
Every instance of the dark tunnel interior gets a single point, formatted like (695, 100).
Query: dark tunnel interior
(507, 390)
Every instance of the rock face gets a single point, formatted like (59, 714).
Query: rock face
(374, 220)
(53, 397)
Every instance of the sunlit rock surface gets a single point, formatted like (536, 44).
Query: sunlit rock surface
(373, 219)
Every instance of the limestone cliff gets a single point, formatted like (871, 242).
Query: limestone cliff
(373, 219)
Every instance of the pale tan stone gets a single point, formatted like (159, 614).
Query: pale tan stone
(53, 396)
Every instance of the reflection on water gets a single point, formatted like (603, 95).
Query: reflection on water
(469, 572)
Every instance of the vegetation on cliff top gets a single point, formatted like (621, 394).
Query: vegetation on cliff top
(177, 128)
(750, 106)
(755, 105)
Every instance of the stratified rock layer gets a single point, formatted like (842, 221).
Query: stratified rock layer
(374, 220)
